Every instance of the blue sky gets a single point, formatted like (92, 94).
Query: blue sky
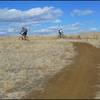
(46, 17)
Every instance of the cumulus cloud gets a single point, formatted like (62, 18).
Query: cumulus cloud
(78, 12)
(12, 19)
(11, 30)
(34, 15)
(57, 21)
(74, 26)
(53, 30)
(47, 31)
(93, 29)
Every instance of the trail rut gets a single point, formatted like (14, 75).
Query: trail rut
(79, 82)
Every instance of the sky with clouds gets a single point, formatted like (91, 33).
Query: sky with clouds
(46, 17)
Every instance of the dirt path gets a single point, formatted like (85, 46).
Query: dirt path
(79, 81)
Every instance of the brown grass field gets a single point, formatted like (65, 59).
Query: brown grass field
(47, 67)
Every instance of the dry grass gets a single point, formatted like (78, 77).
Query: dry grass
(94, 42)
(91, 38)
(26, 65)
(80, 82)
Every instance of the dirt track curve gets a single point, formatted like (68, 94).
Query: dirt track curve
(79, 82)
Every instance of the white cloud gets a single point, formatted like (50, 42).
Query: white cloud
(2, 33)
(34, 15)
(93, 29)
(74, 26)
(12, 19)
(11, 30)
(53, 30)
(57, 21)
(78, 12)
(47, 31)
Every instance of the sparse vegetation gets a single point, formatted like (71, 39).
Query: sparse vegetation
(26, 65)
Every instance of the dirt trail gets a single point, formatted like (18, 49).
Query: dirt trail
(78, 82)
